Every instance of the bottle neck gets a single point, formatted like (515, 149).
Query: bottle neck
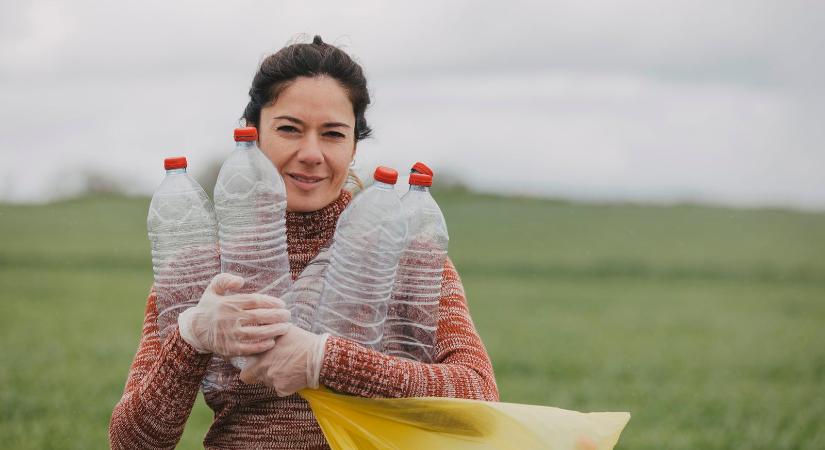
(244, 145)
(176, 171)
(382, 185)
(417, 188)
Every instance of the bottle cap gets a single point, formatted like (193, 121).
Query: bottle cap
(420, 179)
(385, 175)
(246, 134)
(178, 162)
(420, 167)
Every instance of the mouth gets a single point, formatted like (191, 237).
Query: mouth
(305, 181)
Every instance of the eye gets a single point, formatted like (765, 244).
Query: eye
(335, 134)
(287, 129)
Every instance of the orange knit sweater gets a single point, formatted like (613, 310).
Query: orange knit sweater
(165, 375)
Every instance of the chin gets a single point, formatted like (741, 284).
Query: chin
(307, 204)
(300, 208)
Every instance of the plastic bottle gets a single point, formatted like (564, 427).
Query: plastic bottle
(304, 295)
(183, 231)
(250, 202)
(367, 244)
(409, 330)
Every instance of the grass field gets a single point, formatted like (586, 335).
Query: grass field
(707, 324)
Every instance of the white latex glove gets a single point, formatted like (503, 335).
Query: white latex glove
(292, 364)
(233, 324)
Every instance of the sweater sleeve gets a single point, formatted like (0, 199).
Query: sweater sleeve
(160, 391)
(462, 368)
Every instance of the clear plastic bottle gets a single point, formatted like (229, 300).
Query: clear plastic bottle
(250, 202)
(304, 295)
(184, 235)
(367, 244)
(409, 330)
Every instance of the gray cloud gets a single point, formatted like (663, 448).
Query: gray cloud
(631, 100)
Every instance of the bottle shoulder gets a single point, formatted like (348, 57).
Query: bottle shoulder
(244, 169)
(180, 185)
(176, 199)
(424, 215)
(375, 198)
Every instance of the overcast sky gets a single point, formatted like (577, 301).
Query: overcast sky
(707, 101)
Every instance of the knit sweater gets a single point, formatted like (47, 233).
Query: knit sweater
(165, 375)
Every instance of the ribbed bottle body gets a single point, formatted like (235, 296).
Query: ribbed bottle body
(409, 330)
(250, 202)
(182, 229)
(358, 281)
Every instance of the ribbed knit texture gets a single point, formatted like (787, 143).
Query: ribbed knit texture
(165, 375)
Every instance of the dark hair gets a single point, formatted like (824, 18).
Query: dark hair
(280, 69)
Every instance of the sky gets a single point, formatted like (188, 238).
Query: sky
(716, 102)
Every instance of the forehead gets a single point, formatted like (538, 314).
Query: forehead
(309, 99)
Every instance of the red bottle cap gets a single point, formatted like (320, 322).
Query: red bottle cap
(420, 179)
(246, 134)
(385, 175)
(420, 167)
(178, 162)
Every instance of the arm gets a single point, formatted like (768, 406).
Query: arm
(160, 390)
(462, 367)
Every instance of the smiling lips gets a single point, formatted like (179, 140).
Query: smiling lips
(305, 181)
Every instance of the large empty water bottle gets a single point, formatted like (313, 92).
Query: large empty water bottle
(250, 201)
(409, 330)
(367, 243)
(183, 232)
(304, 295)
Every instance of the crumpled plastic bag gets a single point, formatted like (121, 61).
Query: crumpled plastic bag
(450, 423)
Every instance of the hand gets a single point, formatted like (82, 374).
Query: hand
(233, 324)
(292, 364)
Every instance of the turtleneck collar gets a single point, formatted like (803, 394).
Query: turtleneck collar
(316, 224)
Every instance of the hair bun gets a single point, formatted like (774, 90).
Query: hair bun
(309, 59)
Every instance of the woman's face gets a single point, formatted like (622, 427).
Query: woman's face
(308, 134)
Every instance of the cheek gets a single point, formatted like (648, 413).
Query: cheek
(276, 150)
(341, 164)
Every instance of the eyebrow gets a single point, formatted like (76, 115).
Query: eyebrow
(325, 125)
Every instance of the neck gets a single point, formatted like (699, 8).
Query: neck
(307, 232)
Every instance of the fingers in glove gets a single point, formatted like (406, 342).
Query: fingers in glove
(265, 316)
(256, 301)
(224, 282)
(255, 333)
(253, 348)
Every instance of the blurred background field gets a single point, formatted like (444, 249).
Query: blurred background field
(707, 324)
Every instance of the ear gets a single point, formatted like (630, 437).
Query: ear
(354, 150)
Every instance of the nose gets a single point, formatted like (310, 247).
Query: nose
(310, 152)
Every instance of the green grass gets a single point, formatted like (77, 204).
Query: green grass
(707, 324)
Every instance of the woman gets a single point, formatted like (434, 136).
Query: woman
(308, 103)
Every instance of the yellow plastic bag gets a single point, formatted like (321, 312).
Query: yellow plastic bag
(451, 423)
